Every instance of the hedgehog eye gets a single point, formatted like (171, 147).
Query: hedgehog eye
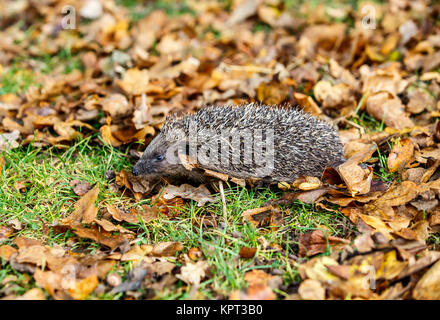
(158, 157)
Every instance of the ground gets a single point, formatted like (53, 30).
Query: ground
(78, 105)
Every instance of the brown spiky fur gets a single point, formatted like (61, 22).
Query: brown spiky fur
(303, 145)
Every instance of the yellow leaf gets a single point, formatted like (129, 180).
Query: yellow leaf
(83, 288)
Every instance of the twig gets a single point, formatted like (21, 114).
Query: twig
(222, 195)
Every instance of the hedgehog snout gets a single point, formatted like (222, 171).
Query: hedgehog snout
(138, 169)
(135, 171)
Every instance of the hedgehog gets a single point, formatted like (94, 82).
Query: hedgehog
(253, 141)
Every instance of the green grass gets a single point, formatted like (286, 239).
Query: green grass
(46, 175)
(48, 197)
(15, 79)
(64, 59)
(140, 9)
(381, 170)
(260, 26)
(20, 282)
(21, 74)
(369, 123)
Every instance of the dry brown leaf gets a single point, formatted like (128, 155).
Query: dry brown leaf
(400, 155)
(137, 184)
(357, 178)
(363, 243)
(390, 267)
(272, 93)
(101, 236)
(311, 196)
(419, 101)
(135, 81)
(33, 294)
(116, 105)
(320, 38)
(254, 292)
(397, 195)
(200, 194)
(242, 11)
(311, 290)
(247, 253)
(333, 96)
(306, 183)
(85, 209)
(5, 232)
(307, 103)
(167, 249)
(137, 253)
(390, 43)
(81, 188)
(147, 214)
(377, 224)
(6, 252)
(21, 242)
(257, 215)
(83, 288)
(255, 277)
(53, 282)
(9, 140)
(426, 260)
(110, 227)
(193, 273)
(390, 111)
(107, 136)
(428, 287)
(317, 242)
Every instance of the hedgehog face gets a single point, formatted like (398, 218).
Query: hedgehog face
(156, 159)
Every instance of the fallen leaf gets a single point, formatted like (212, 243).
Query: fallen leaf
(193, 273)
(135, 81)
(167, 249)
(257, 215)
(53, 283)
(5, 232)
(82, 188)
(400, 155)
(33, 294)
(428, 287)
(420, 100)
(390, 111)
(311, 290)
(83, 288)
(101, 236)
(242, 11)
(400, 194)
(85, 210)
(200, 194)
(195, 254)
(146, 213)
(247, 253)
(311, 196)
(358, 179)
(136, 253)
(316, 242)
(116, 105)
(363, 243)
(6, 252)
(107, 136)
(9, 140)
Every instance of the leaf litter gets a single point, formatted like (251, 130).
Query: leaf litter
(379, 87)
